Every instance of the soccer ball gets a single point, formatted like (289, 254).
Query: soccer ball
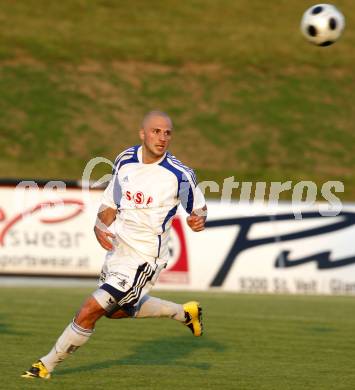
(322, 24)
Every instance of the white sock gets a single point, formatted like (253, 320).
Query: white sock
(154, 307)
(73, 337)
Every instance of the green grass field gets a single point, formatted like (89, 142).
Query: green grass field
(250, 342)
(240, 82)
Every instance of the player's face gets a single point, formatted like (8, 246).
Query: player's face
(156, 137)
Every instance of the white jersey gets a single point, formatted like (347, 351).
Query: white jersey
(147, 197)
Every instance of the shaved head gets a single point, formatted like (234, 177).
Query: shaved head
(155, 134)
(153, 114)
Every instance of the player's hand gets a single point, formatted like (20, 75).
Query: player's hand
(104, 236)
(195, 222)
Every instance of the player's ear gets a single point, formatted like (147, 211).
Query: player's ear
(141, 134)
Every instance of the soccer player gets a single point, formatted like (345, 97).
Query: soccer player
(147, 185)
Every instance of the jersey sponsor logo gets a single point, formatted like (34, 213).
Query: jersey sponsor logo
(139, 198)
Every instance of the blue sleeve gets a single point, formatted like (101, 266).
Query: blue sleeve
(186, 194)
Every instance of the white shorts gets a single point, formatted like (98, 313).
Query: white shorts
(128, 275)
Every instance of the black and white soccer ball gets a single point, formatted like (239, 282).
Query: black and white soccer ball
(322, 24)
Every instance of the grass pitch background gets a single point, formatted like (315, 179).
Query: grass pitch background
(239, 80)
(250, 342)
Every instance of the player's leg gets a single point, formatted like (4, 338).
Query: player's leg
(76, 334)
(190, 313)
(149, 307)
(103, 301)
(146, 306)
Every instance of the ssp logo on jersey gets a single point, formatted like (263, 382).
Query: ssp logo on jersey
(138, 198)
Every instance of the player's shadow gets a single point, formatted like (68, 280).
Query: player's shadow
(6, 329)
(166, 351)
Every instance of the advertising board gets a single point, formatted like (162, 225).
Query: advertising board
(249, 248)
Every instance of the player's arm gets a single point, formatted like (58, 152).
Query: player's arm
(196, 220)
(105, 217)
(107, 214)
(194, 203)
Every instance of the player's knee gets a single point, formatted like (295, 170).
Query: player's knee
(110, 306)
(88, 314)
